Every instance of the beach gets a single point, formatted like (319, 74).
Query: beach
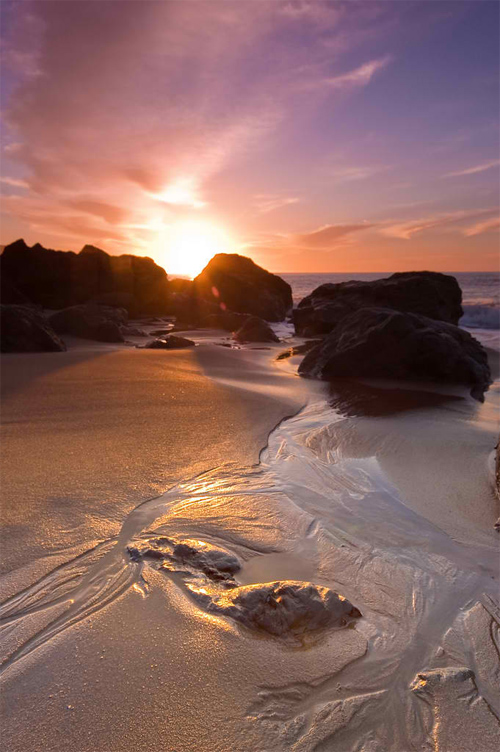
(394, 511)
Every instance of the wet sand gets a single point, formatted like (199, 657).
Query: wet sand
(90, 433)
(395, 512)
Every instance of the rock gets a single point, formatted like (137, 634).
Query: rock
(255, 330)
(9, 294)
(236, 283)
(182, 326)
(229, 322)
(132, 331)
(192, 310)
(437, 296)
(59, 279)
(195, 555)
(90, 321)
(180, 285)
(299, 349)
(285, 608)
(215, 562)
(169, 343)
(381, 343)
(25, 329)
(160, 332)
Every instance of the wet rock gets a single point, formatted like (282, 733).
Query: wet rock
(255, 330)
(437, 296)
(61, 279)
(299, 349)
(25, 329)
(169, 343)
(196, 555)
(236, 283)
(215, 562)
(380, 343)
(90, 321)
(284, 608)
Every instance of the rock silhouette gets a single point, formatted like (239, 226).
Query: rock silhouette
(437, 296)
(59, 279)
(236, 283)
(24, 329)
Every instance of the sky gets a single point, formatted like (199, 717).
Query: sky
(310, 136)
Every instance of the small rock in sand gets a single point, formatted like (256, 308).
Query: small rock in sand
(169, 343)
(285, 607)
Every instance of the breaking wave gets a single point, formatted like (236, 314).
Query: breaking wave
(480, 317)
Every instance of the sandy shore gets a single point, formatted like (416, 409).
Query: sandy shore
(90, 433)
(395, 512)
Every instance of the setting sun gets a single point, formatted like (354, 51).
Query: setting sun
(188, 245)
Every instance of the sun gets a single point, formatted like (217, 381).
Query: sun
(187, 246)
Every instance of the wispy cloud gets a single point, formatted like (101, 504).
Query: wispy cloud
(266, 203)
(360, 76)
(14, 182)
(327, 236)
(481, 227)
(474, 170)
(405, 230)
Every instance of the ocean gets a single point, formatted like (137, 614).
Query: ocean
(481, 298)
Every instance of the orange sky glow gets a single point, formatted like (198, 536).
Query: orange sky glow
(310, 136)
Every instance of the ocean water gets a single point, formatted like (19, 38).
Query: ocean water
(480, 290)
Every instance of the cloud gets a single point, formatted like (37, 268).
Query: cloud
(328, 235)
(179, 93)
(265, 203)
(360, 76)
(405, 230)
(474, 170)
(14, 182)
(481, 227)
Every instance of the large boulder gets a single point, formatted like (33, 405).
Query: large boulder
(437, 296)
(25, 329)
(59, 279)
(255, 330)
(90, 321)
(236, 283)
(381, 343)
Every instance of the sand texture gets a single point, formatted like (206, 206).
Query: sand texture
(185, 570)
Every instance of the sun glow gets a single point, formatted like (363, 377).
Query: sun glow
(187, 246)
(182, 192)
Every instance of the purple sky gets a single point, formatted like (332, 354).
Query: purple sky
(339, 136)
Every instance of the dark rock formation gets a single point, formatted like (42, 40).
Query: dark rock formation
(229, 322)
(58, 279)
(132, 331)
(192, 310)
(169, 343)
(381, 343)
(9, 294)
(90, 321)
(255, 330)
(437, 296)
(26, 330)
(235, 283)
